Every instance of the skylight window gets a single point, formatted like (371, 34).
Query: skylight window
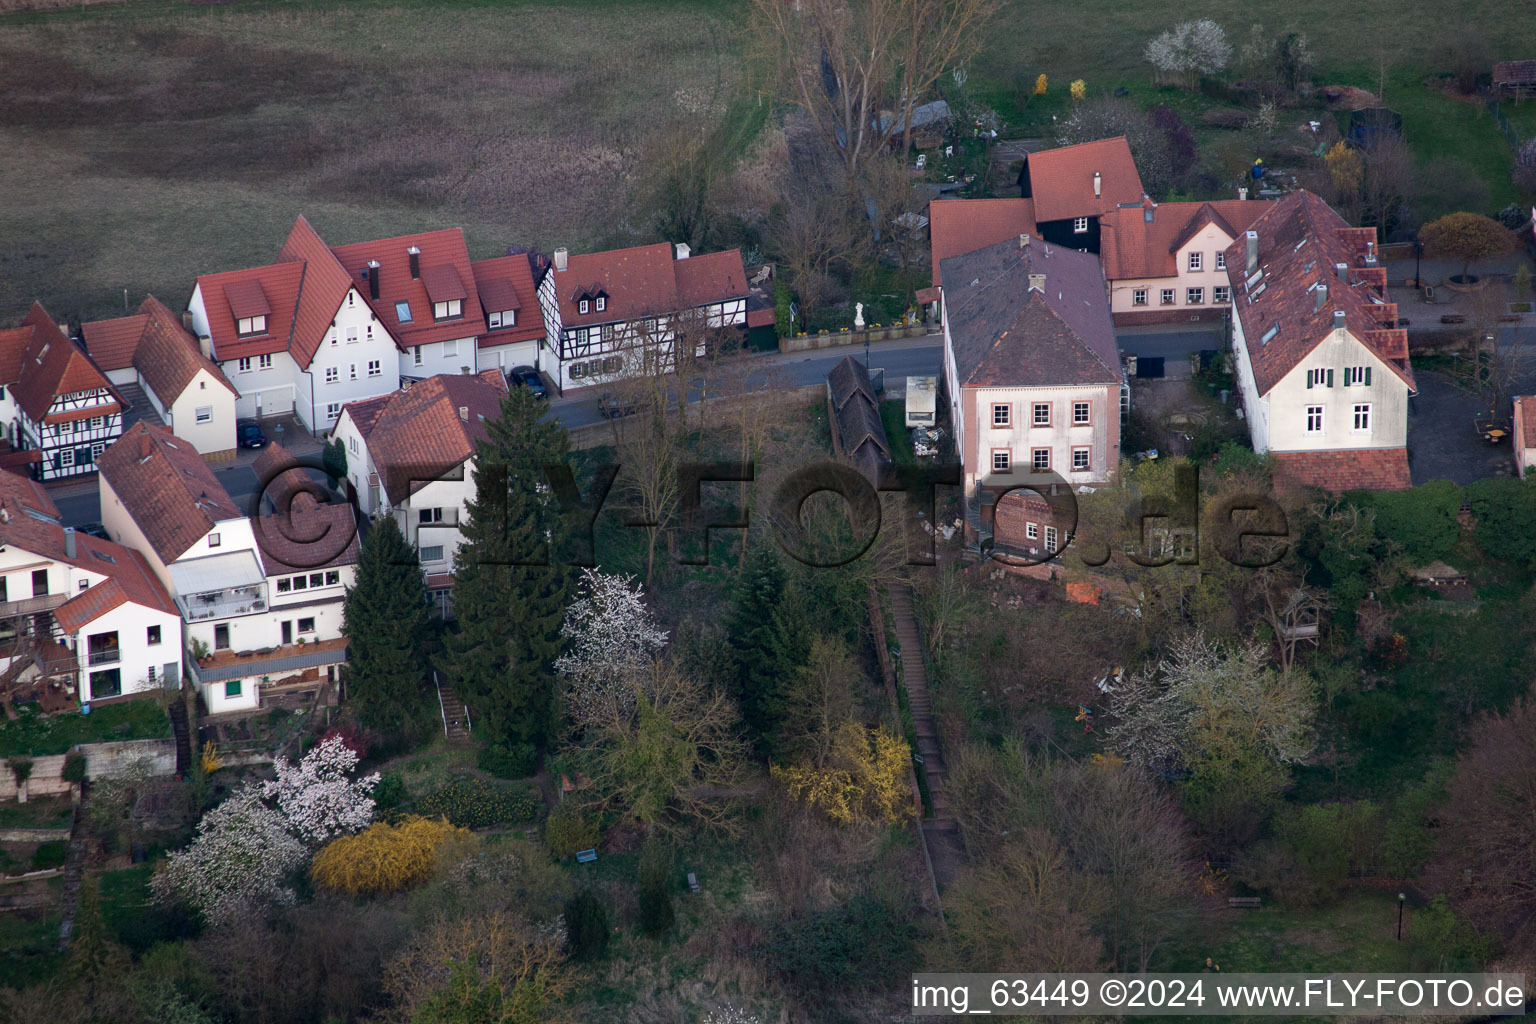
(1269, 335)
(1299, 245)
(104, 557)
(1257, 291)
(403, 312)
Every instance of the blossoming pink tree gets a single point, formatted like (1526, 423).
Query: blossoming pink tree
(316, 796)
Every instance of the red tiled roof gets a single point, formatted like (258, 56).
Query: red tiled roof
(1061, 180)
(130, 581)
(311, 536)
(325, 285)
(1360, 469)
(645, 281)
(1129, 247)
(445, 274)
(416, 435)
(710, 278)
(13, 345)
(280, 282)
(53, 365)
(506, 283)
(1515, 72)
(1301, 241)
(959, 226)
(761, 318)
(112, 342)
(18, 493)
(168, 356)
(276, 480)
(247, 298)
(166, 487)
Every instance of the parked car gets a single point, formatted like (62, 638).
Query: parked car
(613, 406)
(529, 378)
(250, 435)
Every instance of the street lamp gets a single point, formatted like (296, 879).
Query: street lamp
(1400, 898)
(1418, 250)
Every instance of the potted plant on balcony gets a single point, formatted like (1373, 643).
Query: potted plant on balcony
(199, 651)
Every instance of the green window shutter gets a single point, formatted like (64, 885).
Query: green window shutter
(1309, 378)
(1367, 376)
(1330, 377)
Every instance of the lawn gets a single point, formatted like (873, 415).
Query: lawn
(37, 813)
(143, 144)
(40, 736)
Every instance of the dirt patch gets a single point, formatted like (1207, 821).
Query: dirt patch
(1349, 97)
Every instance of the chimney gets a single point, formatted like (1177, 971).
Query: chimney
(414, 255)
(373, 279)
(1370, 254)
(562, 259)
(682, 250)
(1320, 296)
(1037, 283)
(1252, 238)
(1098, 185)
(1342, 270)
(1024, 241)
(69, 542)
(1148, 208)
(1338, 319)
(464, 409)
(186, 320)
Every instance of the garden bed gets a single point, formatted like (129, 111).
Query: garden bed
(36, 735)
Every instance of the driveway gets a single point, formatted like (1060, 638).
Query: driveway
(1442, 443)
(1169, 344)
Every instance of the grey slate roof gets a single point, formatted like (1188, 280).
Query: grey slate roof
(860, 431)
(1007, 335)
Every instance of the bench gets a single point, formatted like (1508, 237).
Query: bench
(1453, 318)
(1243, 902)
(586, 856)
(693, 883)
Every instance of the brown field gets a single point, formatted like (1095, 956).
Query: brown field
(139, 151)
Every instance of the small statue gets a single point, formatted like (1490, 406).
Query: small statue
(858, 315)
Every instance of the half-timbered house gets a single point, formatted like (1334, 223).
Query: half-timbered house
(602, 310)
(55, 399)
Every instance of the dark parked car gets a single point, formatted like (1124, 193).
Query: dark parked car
(250, 435)
(613, 406)
(529, 378)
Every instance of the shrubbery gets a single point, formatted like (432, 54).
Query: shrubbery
(382, 858)
(389, 791)
(586, 925)
(509, 760)
(475, 803)
(569, 830)
(48, 855)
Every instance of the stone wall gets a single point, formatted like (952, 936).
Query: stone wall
(807, 342)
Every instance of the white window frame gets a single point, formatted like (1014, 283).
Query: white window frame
(416, 357)
(1361, 421)
(1314, 419)
(1087, 460)
(427, 553)
(1195, 260)
(1002, 460)
(1221, 293)
(1354, 376)
(602, 303)
(1194, 296)
(451, 349)
(1040, 465)
(1139, 297)
(1032, 531)
(1166, 297)
(1050, 539)
(582, 307)
(375, 368)
(1034, 414)
(1087, 417)
(332, 374)
(203, 414)
(243, 364)
(332, 410)
(1221, 260)
(1002, 414)
(1080, 225)
(352, 371)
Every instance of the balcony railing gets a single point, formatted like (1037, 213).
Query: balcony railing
(223, 604)
(111, 657)
(32, 605)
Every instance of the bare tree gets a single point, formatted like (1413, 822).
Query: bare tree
(815, 237)
(1496, 363)
(846, 62)
(1387, 180)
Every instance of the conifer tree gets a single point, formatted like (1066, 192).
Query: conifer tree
(510, 609)
(97, 964)
(387, 624)
(751, 630)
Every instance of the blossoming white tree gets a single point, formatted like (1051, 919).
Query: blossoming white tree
(1189, 50)
(317, 798)
(611, 637)
(731, 1015)
(237, 862)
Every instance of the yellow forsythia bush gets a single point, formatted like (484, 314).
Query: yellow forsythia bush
(1078, 89)
(383, 858)
(863, 779)
(1040, 84)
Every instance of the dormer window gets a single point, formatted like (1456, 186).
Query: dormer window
(450, 310)
(507, 318)
(602, 303)
(583, 307)
(1079, 225)
(250, 325)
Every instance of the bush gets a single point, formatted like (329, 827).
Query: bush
(586, 924)
(1505, 513)
(783, 323)
(864, 942)
(1422, 520)
(74, 767)
(389, 791)
(48, 855)
(382, 858)
(656, 915)
(21, 767)
(475, 803)
(569, 830)
(509, 761)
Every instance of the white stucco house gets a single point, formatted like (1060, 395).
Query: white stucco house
(411, 456)
(1321, 366)
(186, 389)
(81, 616)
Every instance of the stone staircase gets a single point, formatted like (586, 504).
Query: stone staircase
(940, 831)
(183, 734)
(74, 869)
(456, 723)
